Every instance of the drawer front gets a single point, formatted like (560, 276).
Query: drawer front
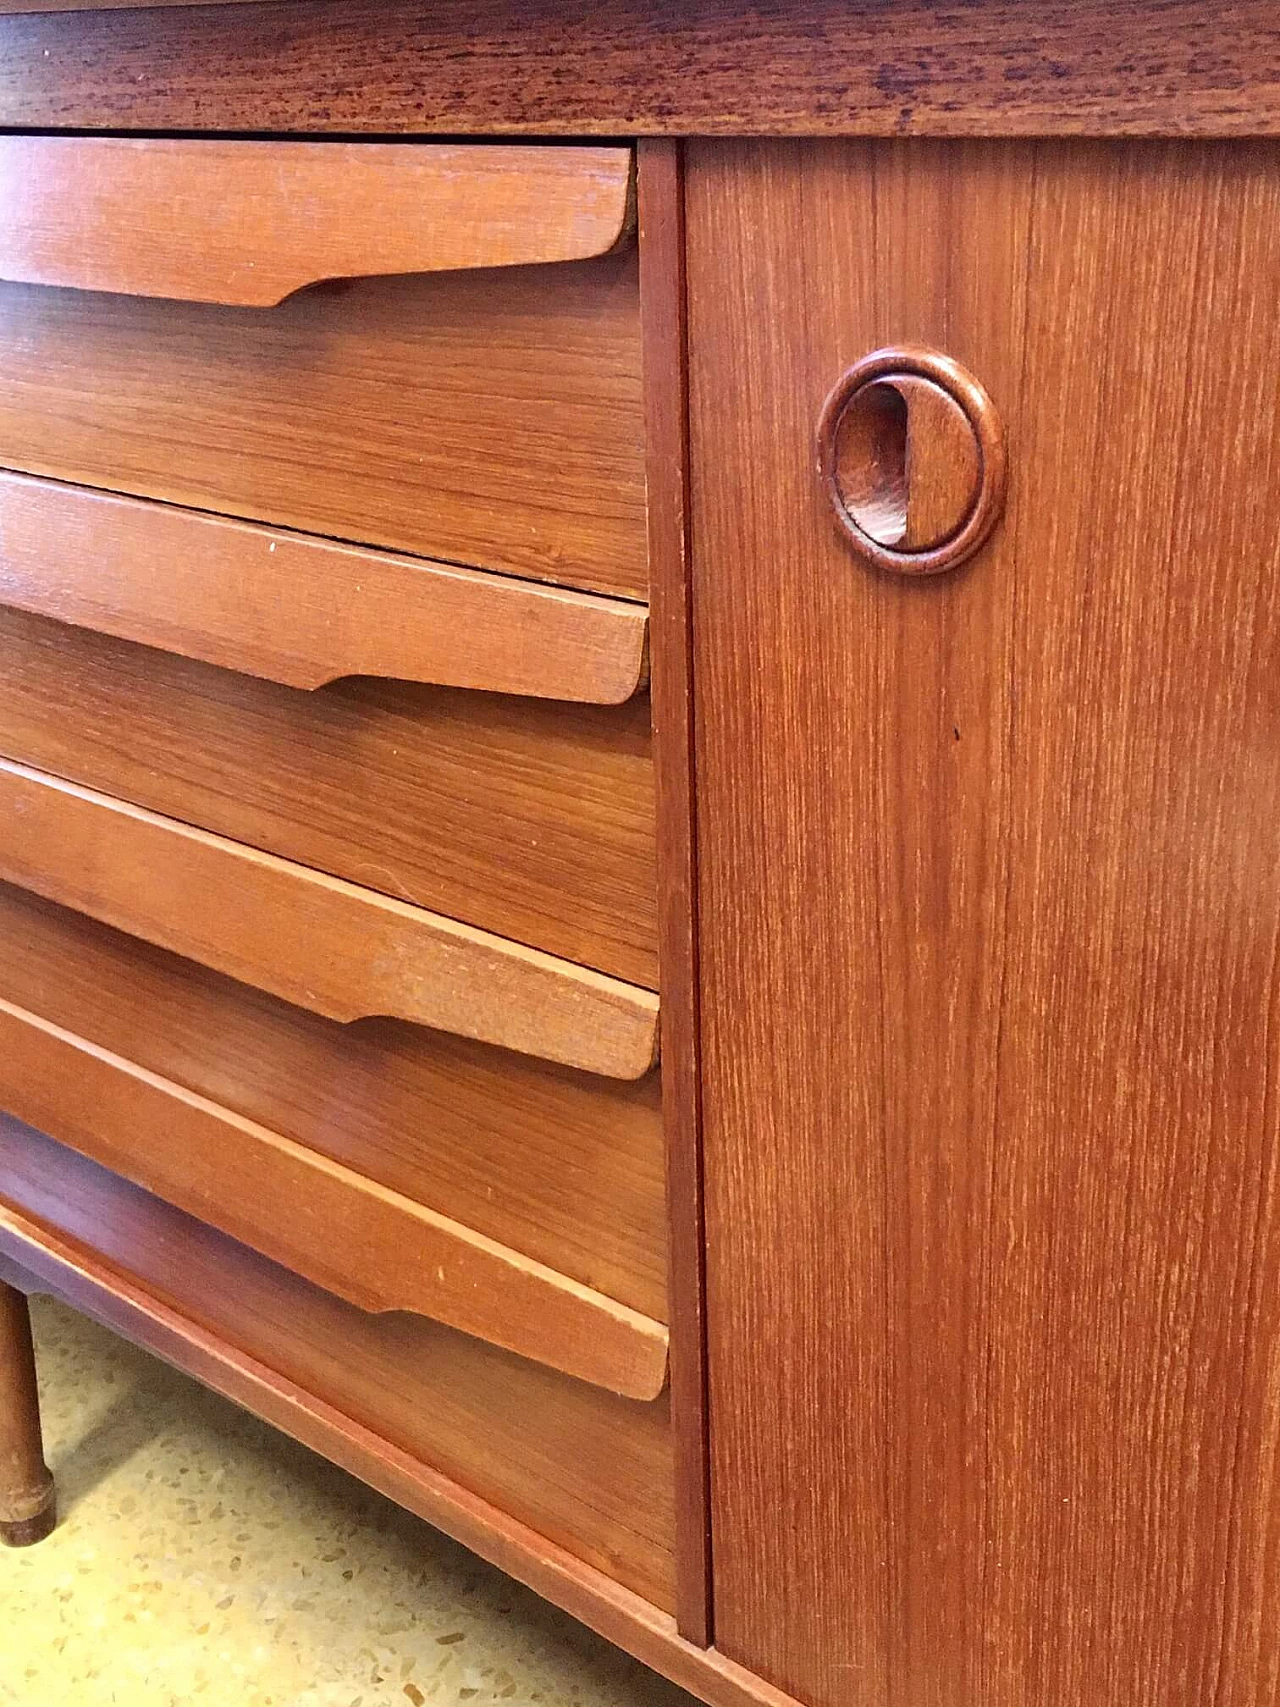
(304, 611)
(305, 937)
(522, 817)
(210, 220)
(579, 1465)
(335, 948)
(564, 1166)
(377, 1247)
(477, 407)
(989, 909)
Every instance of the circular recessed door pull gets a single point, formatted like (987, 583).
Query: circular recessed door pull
(911, 451)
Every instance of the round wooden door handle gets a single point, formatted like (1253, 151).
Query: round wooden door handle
(912, 455)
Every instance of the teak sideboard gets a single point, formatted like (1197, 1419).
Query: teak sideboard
(640, 800)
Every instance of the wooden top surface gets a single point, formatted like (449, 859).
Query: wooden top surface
(647, 67)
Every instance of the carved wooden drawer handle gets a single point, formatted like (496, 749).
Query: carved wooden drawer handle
(912, 454)
(248, 223)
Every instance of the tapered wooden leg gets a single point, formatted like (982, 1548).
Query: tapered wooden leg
(26, 1488)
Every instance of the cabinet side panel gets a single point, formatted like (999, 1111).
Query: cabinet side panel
(990, 908)
(660, 212)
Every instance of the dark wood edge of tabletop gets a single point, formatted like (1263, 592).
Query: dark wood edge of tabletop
(643, 67)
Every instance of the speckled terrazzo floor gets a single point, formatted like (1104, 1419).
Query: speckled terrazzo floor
(202, 1557)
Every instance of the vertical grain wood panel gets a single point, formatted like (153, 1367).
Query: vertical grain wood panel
(660, 195)
(990, 912)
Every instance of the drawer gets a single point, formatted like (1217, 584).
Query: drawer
(327, 1213)
(577, 1464)
(333, 947)
(564, 1166)
(303, 611)
(327, 887)
(528, 818)
(427, 347)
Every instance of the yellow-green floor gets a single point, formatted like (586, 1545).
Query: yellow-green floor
(202, 1557)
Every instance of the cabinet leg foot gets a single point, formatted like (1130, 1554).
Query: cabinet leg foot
(27, 1506)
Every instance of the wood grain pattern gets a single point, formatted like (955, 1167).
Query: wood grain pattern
(660, 199)
(7, 6)
(990, 930)
(654, 67)
(52, 1261)
(565, 1166)
(27, 1501)
(373, 1247)
(487, 418)
(584, 1469)
(532, 820)
(330, 946)
(201, 219)
(300, 610)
